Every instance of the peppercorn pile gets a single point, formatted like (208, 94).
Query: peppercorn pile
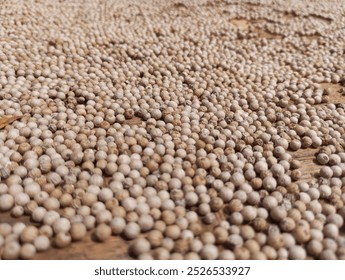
(177, 126)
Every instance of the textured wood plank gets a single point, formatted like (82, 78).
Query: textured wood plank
(116, 247)
(6, 120)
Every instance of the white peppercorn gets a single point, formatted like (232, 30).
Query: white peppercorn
(131, 230)
(42, 243)
(27, 251)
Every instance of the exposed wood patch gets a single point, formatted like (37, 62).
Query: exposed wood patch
(241, 24)
(334, 92)
(133, 121)
(266, 34)
(6, 120)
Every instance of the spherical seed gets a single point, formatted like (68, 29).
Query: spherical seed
(297, 253)
(46, 230)
(50, 217)
(172, 231)
(241, 253)
(168, 217)
(145, 222)
(275, 240)
(103, 232)
(62, 240)
(209, 252)
(182, 246)
(226, 255)
(161, 254)
(301, 234)
(226, 194)
(235, 205)
(322, 158)
(11, 251)
(295, 164)
(335, 219)
(270, 253)
(131, 230)
(331, 231)
(326, 172)
(61, 225)
(117, 225)
(269, 202)
(27, 251)
(145, 256)
(78, 231)
(207, 238)
(89, 199)
(287, 224)
(17, 228)
(6, 202)
(5, 229)
(42, 243)
(140, 246)
(334, 159)
(236, 218)
(295, 145)
(203, 162)
(328, 255)
(249, 213)
(237, 179)
(103, 216)
(234, 241)
(269, 183)
(209, 218)
(314, 248)
(278, 213)
(29, 234)
(221, 235)
(192, 256)
(89, 222)
(38, 214)
(129, 204)
(155, 238)
(51, 203)
(216, 204)
(17, 211)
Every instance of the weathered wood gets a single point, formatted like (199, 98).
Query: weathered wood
(116, 247)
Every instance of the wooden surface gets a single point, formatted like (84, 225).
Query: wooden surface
(116, 247)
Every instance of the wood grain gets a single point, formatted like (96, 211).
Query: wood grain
(6, 120)
(116, 247)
